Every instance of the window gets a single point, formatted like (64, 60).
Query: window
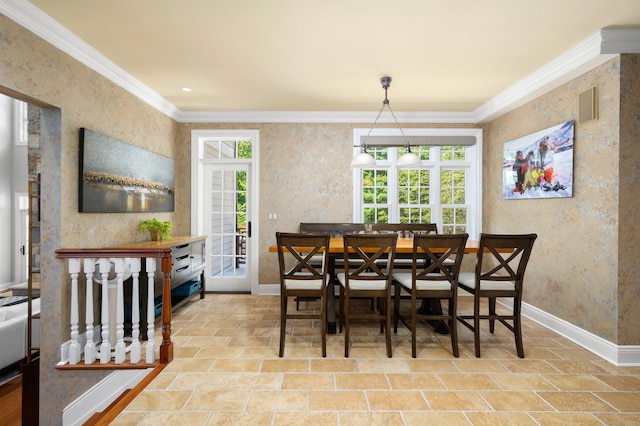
(445, 190)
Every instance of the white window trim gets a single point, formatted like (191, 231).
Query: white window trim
(20, 123)
(474, 182)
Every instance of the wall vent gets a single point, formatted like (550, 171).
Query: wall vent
(588, 105)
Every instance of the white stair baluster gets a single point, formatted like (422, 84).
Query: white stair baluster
(74, 347)
(134, 348)
(120, 348)
(105, 347)
(151, 316)
(90, 345)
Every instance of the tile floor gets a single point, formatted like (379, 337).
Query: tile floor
(226, 371)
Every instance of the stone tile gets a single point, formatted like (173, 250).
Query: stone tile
(522, 382)
(252, 381)
(369, 418)
(468, 381)
(308, 381)
(337, 400)
(278, 401)
(160, 400)
(417, 381)
(515, 401)
(228, 418)
(283, 365)
(421, 418)
(622, 383)
(218, 400)
(334, 365)
(455, 400)
(236, 365)
(623, 401)
(575, 401)
(562, 419)
(396, 400)
(199, 381)
(500, 419)
(296, 418)
(361, 381)
(577, 382)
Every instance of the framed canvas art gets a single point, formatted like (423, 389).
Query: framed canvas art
(117, 177)
(539, 165)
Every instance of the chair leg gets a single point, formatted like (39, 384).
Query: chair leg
(283, 323)
(414, 320)
(396, 308)
(453, 327)
(381, 310)
(347, 303)
(323, 326)
(517, 327)
(476, 324)
(492, 314)
(387, 328)
(341, 309)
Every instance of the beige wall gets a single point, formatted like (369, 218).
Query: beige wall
(628, 274)
(35, 71)
(305, 176)
(578, 258)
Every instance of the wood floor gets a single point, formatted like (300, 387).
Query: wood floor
(11, 402)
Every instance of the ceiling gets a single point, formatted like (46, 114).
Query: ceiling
(329, 55)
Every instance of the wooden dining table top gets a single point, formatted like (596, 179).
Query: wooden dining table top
(403, 245)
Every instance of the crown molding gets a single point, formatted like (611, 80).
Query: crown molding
(597, 49)
(30, 17)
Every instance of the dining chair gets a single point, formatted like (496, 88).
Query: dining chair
(499, 272)
(302, 277)
(363, 277)
(434, 275)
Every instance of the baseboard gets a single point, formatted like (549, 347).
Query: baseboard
(100, 396)
(619, 355)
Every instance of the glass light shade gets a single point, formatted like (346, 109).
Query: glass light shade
(364, 159)
(409, 160)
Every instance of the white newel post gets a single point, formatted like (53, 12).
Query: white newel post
(105, 347)
(74, 347)
(120, 347)
(151, 316)
(90, 345)
(134, 348)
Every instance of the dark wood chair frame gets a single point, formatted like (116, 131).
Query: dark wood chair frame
(303, 248)
(432, 267)
(501, 258)
(363, 266)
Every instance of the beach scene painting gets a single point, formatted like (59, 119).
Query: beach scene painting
(539, 165)
(117, 177)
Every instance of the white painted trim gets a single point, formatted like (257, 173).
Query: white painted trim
(101, 395)
(595, 50)
(619, 355)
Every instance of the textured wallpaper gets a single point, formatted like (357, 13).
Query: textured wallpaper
(73, 96)
(576, 263)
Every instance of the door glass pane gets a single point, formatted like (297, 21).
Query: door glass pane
(228, 223)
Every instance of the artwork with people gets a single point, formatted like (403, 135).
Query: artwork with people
(540, 165)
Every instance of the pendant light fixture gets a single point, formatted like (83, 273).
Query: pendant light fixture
(364, 159)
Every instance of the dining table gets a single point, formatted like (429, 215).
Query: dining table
(404, 249)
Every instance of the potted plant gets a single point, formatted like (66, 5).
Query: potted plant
(158, 230)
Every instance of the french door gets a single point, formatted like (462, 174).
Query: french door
(228, 226)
